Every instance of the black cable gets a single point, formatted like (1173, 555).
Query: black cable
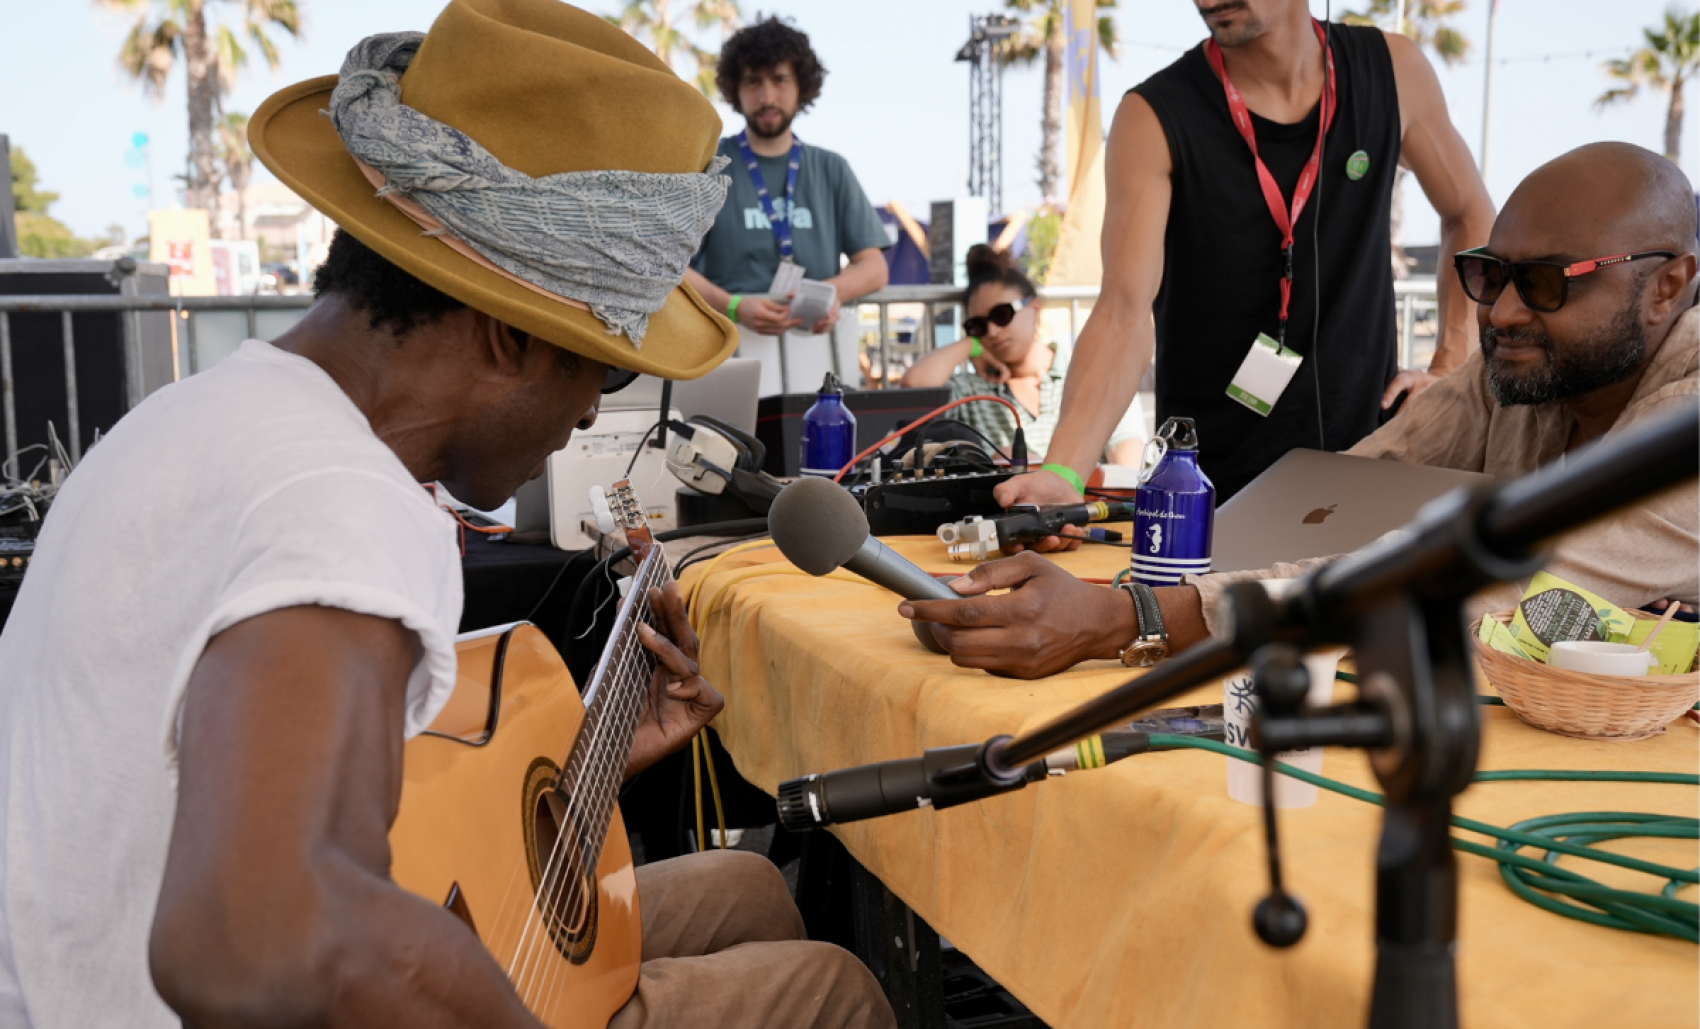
(647, 433)
(1315, 245)
(734, 527)
(701, 554)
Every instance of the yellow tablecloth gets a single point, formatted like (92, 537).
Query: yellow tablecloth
(1123, 896)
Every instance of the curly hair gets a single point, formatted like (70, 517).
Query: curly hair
(768, 44)
(391, 297)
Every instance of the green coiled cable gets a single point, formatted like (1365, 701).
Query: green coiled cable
(1541, 881)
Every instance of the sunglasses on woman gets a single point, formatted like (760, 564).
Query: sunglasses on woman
(1000, 316)
(1543, 285)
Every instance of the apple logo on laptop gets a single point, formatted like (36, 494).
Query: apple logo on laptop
(1316, 517)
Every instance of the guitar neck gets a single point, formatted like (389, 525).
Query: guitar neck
(614, 704)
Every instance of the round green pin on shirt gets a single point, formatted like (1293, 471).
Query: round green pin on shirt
(1357, 165)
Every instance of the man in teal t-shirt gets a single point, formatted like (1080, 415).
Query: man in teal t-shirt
(769, 73)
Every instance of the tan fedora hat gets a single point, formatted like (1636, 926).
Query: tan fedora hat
(546, 88)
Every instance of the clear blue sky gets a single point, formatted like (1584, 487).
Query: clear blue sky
(895, 104)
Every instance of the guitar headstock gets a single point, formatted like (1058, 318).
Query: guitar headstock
(627, 509)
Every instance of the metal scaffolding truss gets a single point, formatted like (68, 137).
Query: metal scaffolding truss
(985, 105)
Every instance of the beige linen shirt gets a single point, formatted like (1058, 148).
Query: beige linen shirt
(1640, 554)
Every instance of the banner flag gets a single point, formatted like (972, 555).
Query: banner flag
(1078, 260)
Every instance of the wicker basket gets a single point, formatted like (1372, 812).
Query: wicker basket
(1592, 707)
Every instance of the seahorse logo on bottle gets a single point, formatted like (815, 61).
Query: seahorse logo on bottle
(1175, 509)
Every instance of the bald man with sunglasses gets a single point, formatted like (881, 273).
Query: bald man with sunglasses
(1585, 306)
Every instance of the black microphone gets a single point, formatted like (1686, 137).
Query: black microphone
(819, 526)
(940, 778)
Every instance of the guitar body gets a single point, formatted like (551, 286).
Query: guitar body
(480, 824)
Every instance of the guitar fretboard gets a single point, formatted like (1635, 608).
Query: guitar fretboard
(614, 703)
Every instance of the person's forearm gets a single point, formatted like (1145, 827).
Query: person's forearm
(863, 275)
(936, 368)
(1456, 318)
(364, 953)
(716, 297)
(1103, 377)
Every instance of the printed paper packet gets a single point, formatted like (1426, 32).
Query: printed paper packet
(1553, 610)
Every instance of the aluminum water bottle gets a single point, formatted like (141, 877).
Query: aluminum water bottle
(829, 431)
(1175, 509)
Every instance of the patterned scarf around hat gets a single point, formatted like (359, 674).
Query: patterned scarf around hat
(617, 241)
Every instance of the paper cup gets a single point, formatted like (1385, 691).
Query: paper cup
(1245, 780)
(1599, 658)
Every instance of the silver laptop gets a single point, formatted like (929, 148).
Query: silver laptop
(1312, 503)
(728, 393)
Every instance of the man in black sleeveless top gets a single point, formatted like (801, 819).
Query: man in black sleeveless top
(1191, 237)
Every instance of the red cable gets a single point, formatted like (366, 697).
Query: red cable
(924, 419)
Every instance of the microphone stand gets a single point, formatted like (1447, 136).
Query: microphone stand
(1398, 604)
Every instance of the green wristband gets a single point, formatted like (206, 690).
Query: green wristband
(974, 348)
(1069, 475)
(732, 307)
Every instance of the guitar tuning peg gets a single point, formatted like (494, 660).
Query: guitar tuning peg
(599, 507)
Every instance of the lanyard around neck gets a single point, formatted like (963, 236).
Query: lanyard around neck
(779, 222)
(1284, 220)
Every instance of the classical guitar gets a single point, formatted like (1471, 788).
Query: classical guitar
(509, 813)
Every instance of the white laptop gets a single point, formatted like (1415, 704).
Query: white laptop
(1312, 503)
(560, 500)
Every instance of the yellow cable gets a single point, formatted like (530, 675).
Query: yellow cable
(698, 614)
(715, 563)
(714, 785)
(696, 779)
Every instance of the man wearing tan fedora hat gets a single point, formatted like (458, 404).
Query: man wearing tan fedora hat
(243, 602)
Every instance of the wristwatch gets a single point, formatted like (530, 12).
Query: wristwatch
(1151, 645)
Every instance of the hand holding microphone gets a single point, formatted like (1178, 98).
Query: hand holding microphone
(819, 527)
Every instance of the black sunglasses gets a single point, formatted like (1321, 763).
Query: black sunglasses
(617, 379)
(1543, 285)
(1000, 316)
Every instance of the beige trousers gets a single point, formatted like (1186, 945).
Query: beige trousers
(723, 947)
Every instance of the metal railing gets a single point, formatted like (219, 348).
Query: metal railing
(182, 329)
(1414, 297)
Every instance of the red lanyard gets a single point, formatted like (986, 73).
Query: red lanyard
(1307, 178)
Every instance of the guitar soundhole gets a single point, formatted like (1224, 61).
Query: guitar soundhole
(562, 878)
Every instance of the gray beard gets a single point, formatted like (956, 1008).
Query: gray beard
(1603, 358)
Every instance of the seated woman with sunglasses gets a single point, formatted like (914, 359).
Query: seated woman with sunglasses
(1005, 359)
(1587, 318)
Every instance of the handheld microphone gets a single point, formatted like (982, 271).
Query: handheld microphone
(818, 526)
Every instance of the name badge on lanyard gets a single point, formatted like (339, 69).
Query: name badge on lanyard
(789, 273)
(1269, 365)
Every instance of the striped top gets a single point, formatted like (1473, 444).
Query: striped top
(998, 424)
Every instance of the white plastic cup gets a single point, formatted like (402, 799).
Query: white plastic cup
(1245, 780)
(1597, 658)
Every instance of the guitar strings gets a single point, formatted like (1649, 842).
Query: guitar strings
(553, 868)
(570, 859)
(596, 785)
(613, 748)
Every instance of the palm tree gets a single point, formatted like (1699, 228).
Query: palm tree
(168, 30)
(1425, 24)
(1667, 62)
(1042, 33)
(238, 163)
(658, 23)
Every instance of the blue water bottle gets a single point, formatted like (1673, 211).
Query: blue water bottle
(829, 431)
(1175, 509)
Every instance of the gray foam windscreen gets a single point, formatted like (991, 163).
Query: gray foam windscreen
(817, 524)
